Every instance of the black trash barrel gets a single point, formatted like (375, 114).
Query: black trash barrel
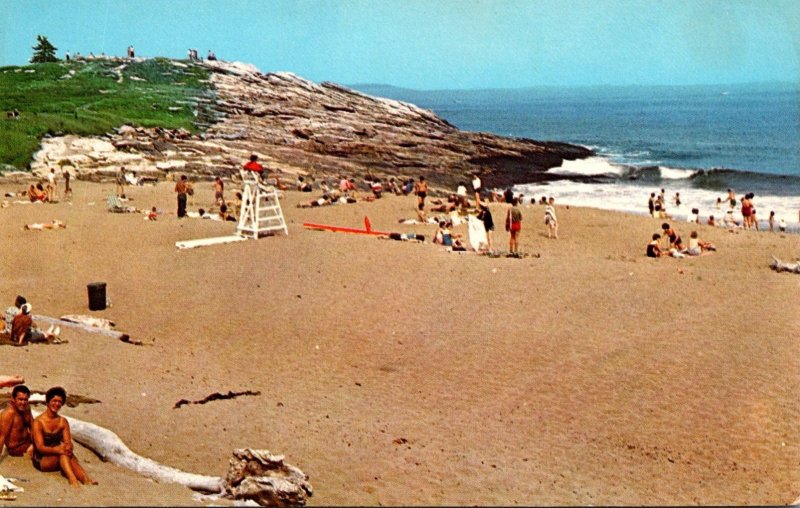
(97, 295)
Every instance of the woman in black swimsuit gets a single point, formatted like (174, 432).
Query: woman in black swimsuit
(52, 441)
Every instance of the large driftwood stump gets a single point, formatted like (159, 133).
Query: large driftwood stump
(780, 266)
(266, 479)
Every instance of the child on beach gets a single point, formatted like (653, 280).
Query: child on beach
(653, 250)
(771, 220)
(550, 219)
(675, 241)
(514, 226)
(696, 246)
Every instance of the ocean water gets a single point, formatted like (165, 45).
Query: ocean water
(698, 141)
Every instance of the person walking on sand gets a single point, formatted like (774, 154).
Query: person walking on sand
(181, 188)
(550, 219)
(421, 190)
(52, 441)
(219, 189)
(52, 186)
(121, 182)
(514, 226)
(485, 216)
(67, 188)
(771, 221)
(15, 423)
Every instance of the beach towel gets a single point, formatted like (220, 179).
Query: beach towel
(477, 234)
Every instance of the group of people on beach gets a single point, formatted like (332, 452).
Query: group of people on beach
(46, 190)
(46, 439)
(657, 209)
(19, 327)
(673, 244)
(462, 202)
(130, 54)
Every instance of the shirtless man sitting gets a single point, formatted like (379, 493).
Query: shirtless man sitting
(15, 423)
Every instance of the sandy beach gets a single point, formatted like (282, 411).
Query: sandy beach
(399, 373)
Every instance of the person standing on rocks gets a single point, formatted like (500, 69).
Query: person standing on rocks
(181, 189)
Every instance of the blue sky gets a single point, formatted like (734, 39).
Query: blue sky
(436, 44)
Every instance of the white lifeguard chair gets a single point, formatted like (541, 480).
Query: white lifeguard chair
(261, 211)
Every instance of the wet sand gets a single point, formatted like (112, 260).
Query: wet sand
(399, 373)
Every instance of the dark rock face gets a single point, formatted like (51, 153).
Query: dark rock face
(329, 129)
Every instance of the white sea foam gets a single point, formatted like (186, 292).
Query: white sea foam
(631, 198)
(592, 166)
(675, 174)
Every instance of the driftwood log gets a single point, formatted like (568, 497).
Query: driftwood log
(780, 266)
(109, 447)
(253, 475)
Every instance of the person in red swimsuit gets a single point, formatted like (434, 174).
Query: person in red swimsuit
(253, 165)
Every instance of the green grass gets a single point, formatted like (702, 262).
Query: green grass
(92, 101)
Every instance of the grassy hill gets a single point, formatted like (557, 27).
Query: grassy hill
(92, 97)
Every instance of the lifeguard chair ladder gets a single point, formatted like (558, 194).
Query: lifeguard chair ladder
(261, 210)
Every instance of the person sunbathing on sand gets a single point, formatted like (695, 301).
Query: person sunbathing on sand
(448, 207)
(15, 423)
(729, 221)
(38, 226)
(696, 246)
(444, 236)
(225, 215)
(52, 440)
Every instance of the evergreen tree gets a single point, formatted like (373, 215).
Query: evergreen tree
(43, 51)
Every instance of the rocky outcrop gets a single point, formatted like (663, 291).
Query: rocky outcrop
(300, 127)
